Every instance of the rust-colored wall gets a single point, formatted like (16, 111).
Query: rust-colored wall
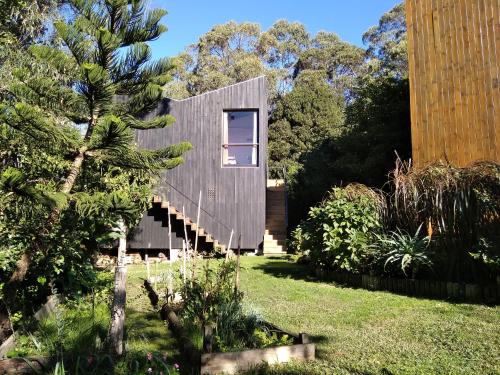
(454, 61)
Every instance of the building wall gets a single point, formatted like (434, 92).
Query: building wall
(237, 194)
(454, 51)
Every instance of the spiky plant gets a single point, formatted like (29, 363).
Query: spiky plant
(100, 79)
(405, 252)
(459, 205)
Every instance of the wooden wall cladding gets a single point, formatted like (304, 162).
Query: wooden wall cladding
(454, 51)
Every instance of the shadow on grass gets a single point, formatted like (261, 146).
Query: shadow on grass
(285, 269)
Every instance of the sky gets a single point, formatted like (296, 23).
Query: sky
(187, 20)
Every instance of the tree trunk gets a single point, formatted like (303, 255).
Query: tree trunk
(119, 298)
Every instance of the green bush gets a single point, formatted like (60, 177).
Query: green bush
(338, 233)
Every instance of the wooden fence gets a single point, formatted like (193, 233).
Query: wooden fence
(454, 71)
(459, 292)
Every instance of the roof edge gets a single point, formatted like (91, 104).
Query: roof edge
(215, 90)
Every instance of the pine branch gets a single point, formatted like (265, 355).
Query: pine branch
(152, 160)
(155, 123)
(33, 122)
(111, 134)
(13, 180)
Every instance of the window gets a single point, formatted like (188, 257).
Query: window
(240, 142)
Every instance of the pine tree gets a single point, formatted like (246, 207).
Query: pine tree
(105, 83)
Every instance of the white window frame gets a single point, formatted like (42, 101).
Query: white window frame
(226, 144)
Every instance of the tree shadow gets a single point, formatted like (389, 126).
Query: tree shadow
(287, 270)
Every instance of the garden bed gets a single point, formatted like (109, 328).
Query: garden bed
(233, 361)
(415, 287)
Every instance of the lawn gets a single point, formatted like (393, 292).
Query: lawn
(364, 332)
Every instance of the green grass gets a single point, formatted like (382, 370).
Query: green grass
(364, 332)
(78, 331)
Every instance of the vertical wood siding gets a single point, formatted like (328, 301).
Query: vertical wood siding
(239, 202)
(454, 51)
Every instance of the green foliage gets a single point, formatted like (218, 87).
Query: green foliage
(402, 252)
(307, 115)
(71, 170)
(212, 299)
(462, 209)
(337, 234)
(387, 44)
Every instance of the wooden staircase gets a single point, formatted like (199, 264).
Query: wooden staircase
(276, 222)
(203, 235)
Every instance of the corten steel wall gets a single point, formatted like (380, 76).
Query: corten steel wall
(240, 192)
(454, 51)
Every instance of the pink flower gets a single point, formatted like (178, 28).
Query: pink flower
(150, 370)
(177, 367)
(149, 356)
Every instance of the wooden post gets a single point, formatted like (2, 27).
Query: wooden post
(229, 244)
(156, 272)
(238, 263)
(119, 296)
(184, 262)
(207, 338)
(170, 286)
(186, 239)
(193, 275)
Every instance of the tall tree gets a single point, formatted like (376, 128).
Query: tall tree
(307, 115)
(111, 84)
(387, 44)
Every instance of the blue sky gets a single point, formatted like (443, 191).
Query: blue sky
(188, 19)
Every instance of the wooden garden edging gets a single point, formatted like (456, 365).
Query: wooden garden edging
(420, 288)
(46, 310)
(27, 365)
(233, 362)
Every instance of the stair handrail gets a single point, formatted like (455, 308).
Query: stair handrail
(196, 205)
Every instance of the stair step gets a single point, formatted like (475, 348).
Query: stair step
(164, 204)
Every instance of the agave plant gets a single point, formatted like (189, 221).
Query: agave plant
(404, 251)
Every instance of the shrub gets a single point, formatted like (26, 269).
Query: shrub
(339, 232)
(212, 299)
(401, 252)
(462, 209)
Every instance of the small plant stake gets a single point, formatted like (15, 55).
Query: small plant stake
(148, 270)
(238, 263)
(193, 274)
(169, 282)
(229, 244)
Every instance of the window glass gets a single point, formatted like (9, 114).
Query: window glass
(240, 145)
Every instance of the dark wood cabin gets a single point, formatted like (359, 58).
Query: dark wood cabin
(228, 130)
(454, 69)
